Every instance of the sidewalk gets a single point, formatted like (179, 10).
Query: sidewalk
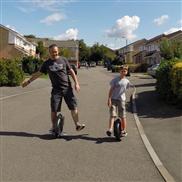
(162, 124)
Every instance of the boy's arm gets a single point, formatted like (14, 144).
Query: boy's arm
(109, 96)
(31, 79)
(77, 86)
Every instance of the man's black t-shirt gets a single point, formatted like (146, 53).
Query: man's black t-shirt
(58, 72)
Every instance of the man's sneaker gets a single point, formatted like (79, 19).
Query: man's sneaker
(108, 132)
(62, 134)
(80, 127)
(124, 133)
(53, 132)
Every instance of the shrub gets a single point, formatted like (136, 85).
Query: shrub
(15, 74)
(163, 77)
(30, 64)
(176, 80)
(4, 73)
(11, 73)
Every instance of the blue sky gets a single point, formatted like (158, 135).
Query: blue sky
(104, 21)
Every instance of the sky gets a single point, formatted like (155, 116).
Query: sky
(111, 23)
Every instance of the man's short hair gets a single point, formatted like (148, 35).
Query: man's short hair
(52, 45)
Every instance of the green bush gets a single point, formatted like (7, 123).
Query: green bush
(11, 73)
(4, 73)
(176, 80)
(163, 77)
(31, 65)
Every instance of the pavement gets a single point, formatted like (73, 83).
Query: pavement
(161, 123)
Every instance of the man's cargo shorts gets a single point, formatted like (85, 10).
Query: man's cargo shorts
(57, 96)
(118, 108)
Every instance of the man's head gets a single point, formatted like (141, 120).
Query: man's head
(123, 70)
(54, 51)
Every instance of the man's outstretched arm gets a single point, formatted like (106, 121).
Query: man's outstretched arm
(31, 79)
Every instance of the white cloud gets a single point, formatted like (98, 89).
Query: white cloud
(71, 33)
(124, 28)
(55, 17)
(51, 5)
(180, 22)
(161, 20)
(173, 29)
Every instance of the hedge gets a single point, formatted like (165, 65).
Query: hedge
(176, 80)
(31, 65)
(11, 73)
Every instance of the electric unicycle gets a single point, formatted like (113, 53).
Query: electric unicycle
(117, 129)
(59, 125)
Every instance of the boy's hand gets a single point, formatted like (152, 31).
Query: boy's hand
(109, 103)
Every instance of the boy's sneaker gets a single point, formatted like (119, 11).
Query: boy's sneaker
(108, 132)
(124, 133)
(80, 127)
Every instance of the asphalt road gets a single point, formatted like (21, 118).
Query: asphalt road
(30, 154)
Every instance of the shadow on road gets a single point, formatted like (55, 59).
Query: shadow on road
(150, 106)
(97, 140)
(146, 85)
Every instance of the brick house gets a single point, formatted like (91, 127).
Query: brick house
(130, 50)
(14, 45)
(150, 51)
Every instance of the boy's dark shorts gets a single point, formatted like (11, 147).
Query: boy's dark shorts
(56, 99)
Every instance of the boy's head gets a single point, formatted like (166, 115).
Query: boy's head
(124, 70)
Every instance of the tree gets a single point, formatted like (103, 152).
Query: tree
(41, 50)
(65, 52)
(97, 53)
(84, 51)
(170, 49)
(30, 36)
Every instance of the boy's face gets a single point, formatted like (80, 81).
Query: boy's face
(54, 52)
(123, 72)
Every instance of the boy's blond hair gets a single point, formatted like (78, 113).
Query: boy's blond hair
(124, 67)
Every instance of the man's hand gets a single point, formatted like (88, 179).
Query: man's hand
(25, 83)
(77, 87)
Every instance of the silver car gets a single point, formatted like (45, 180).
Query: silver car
(152, 70)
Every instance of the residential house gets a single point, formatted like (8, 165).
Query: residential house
(150, 52)
(71, 45)
(130, 50)
(14, 45)
(152, 48)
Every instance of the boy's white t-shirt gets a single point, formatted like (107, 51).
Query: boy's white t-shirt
(119, 88)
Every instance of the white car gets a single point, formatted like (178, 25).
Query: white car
(152, 70)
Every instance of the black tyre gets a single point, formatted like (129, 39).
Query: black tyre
(117, 129)
(60, 124)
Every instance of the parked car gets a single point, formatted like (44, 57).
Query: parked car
(92, 64)
(152, 70)
(74, 68)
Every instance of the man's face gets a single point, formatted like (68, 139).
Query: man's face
(54, 52)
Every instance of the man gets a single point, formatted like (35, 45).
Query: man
(58, 69)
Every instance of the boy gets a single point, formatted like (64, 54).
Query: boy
(116, 100)
(58, 69)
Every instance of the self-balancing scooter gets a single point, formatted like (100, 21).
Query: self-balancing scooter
(117, 129)
(59, 126)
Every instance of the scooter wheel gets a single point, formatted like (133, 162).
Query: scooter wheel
(117, 129)
(60, 124)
